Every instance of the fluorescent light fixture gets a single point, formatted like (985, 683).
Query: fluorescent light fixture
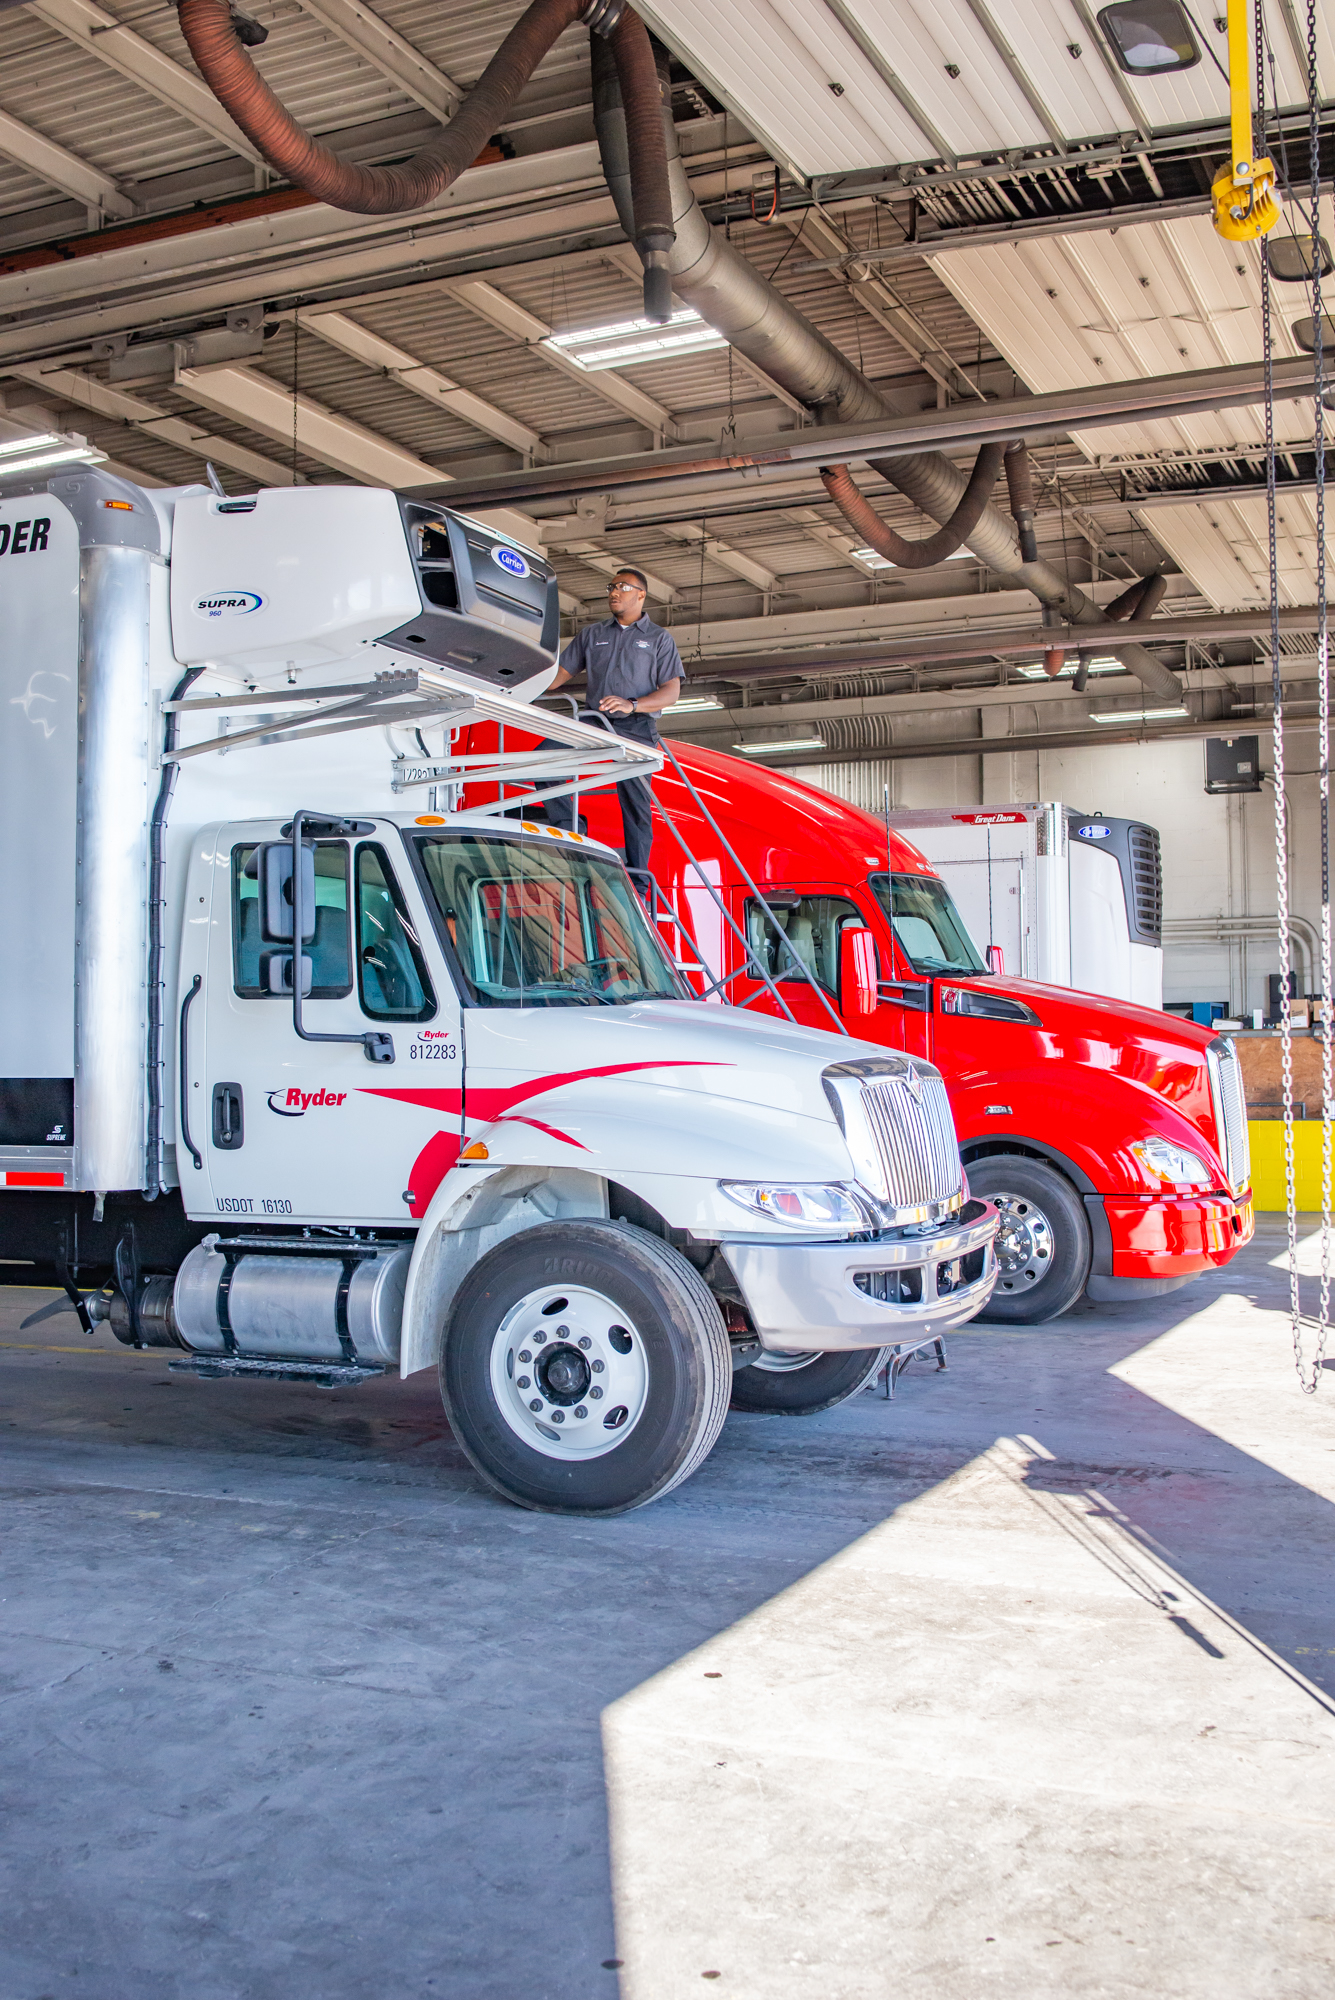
(1139, 715)
(40, 461)
(873, 560)
(624, 342)
(1037, 672)
(12, 445)
(788, 743)
(694, 704)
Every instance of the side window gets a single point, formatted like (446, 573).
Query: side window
(328, 951)
(812, 926)
(391, 973)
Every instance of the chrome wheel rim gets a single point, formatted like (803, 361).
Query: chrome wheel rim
(569, 1372)
(1024, 1245)
(784, 1363)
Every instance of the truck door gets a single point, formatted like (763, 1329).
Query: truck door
(312, 1130)
(805, 963)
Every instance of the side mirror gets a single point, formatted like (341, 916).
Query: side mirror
(996, 958)
(858, 992)
(276, 893)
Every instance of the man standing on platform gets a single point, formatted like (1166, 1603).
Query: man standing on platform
(634, 672)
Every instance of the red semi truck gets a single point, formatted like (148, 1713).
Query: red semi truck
(1112, 1137)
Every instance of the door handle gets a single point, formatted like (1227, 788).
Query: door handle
(229, 1129)
(190, 1145)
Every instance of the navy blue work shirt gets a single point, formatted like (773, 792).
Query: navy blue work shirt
(629, 660)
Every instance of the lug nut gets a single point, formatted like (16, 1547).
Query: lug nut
(584, 1340)
(523, 1383)
(536, 1403)
(594, 1395)
(525, 1355)
(597, 1366)
(558, 1416)
(563, 1333)
(581, 1411)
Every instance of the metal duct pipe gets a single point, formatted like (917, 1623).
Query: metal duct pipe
(755, 317)
(879, 535)
(210, 30)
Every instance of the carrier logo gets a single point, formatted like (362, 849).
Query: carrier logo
(296, 1103)
(228, 604)
(510, 559)
(1094, 832)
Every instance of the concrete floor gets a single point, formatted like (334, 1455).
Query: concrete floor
(1017, 1686)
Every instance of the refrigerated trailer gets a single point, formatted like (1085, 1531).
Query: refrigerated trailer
(1068, 898)
(322, 1077)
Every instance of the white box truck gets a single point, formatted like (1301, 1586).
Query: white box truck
(1072, 899)
(322, 1086)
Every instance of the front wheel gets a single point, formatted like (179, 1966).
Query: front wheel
(800, 1385)
(585, 1368)
(1043, 1245)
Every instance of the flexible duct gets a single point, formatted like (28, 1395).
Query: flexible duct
(755, 317)
(226, 67)
(878, 535)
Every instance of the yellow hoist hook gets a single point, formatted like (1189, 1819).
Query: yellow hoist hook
(1246, 202)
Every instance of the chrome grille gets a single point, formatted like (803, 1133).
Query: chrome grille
(1230, 1112)
(914, 1135)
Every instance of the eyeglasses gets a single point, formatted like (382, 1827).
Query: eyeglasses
(636, 588)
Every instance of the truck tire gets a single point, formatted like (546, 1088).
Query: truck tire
(1043, 1246)
(801, 1385)
(585, 1368)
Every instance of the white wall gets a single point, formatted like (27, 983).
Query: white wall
(1218, 853)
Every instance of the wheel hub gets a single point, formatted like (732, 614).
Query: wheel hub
(1024, 1243)
(569, 1372)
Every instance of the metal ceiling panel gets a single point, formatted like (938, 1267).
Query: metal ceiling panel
(982, 109)
(776, 63)
(1068, 312)
(1222, 544)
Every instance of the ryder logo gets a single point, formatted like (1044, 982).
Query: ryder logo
(294, 1103)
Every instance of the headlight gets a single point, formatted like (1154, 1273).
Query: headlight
(803, 1206)
(1165, 1162)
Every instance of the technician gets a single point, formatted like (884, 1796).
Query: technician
(634, 672)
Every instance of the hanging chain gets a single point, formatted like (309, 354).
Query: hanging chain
(1323, 691)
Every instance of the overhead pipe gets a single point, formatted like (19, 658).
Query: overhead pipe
(755, 318)
(210, 30)
(877, 534)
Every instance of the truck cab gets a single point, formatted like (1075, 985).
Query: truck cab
(1112, 1137)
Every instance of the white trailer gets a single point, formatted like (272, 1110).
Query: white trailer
(1072, 899)
(324, 1077)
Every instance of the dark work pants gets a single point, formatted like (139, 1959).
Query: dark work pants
(636, 800)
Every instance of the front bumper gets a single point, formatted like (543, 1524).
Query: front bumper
(806, 1296)
(1175, 1236)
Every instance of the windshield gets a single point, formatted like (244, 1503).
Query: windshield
(537, 923)
(928, 929)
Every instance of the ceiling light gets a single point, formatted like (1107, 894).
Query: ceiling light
(12, 445)
(1036, 671)
(1139, 715)
(623, 342)
(83, 454)
(874, 560)
(695, 704)
(781, 748)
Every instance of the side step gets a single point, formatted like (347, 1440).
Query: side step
(320, 1374)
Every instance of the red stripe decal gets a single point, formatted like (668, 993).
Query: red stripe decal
(518, 1118)
(35, 1180)
(486, 1105)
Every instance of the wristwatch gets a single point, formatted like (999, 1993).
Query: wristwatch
(635, 705)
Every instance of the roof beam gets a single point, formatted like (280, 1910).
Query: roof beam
(830, 539)
(596, 557)
(263, 405)
(1038, 419)
(493, 306)
(358, 341)
(62, 169)
(102, 35)
(89, 394)
(395, 58)
(723, 554)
